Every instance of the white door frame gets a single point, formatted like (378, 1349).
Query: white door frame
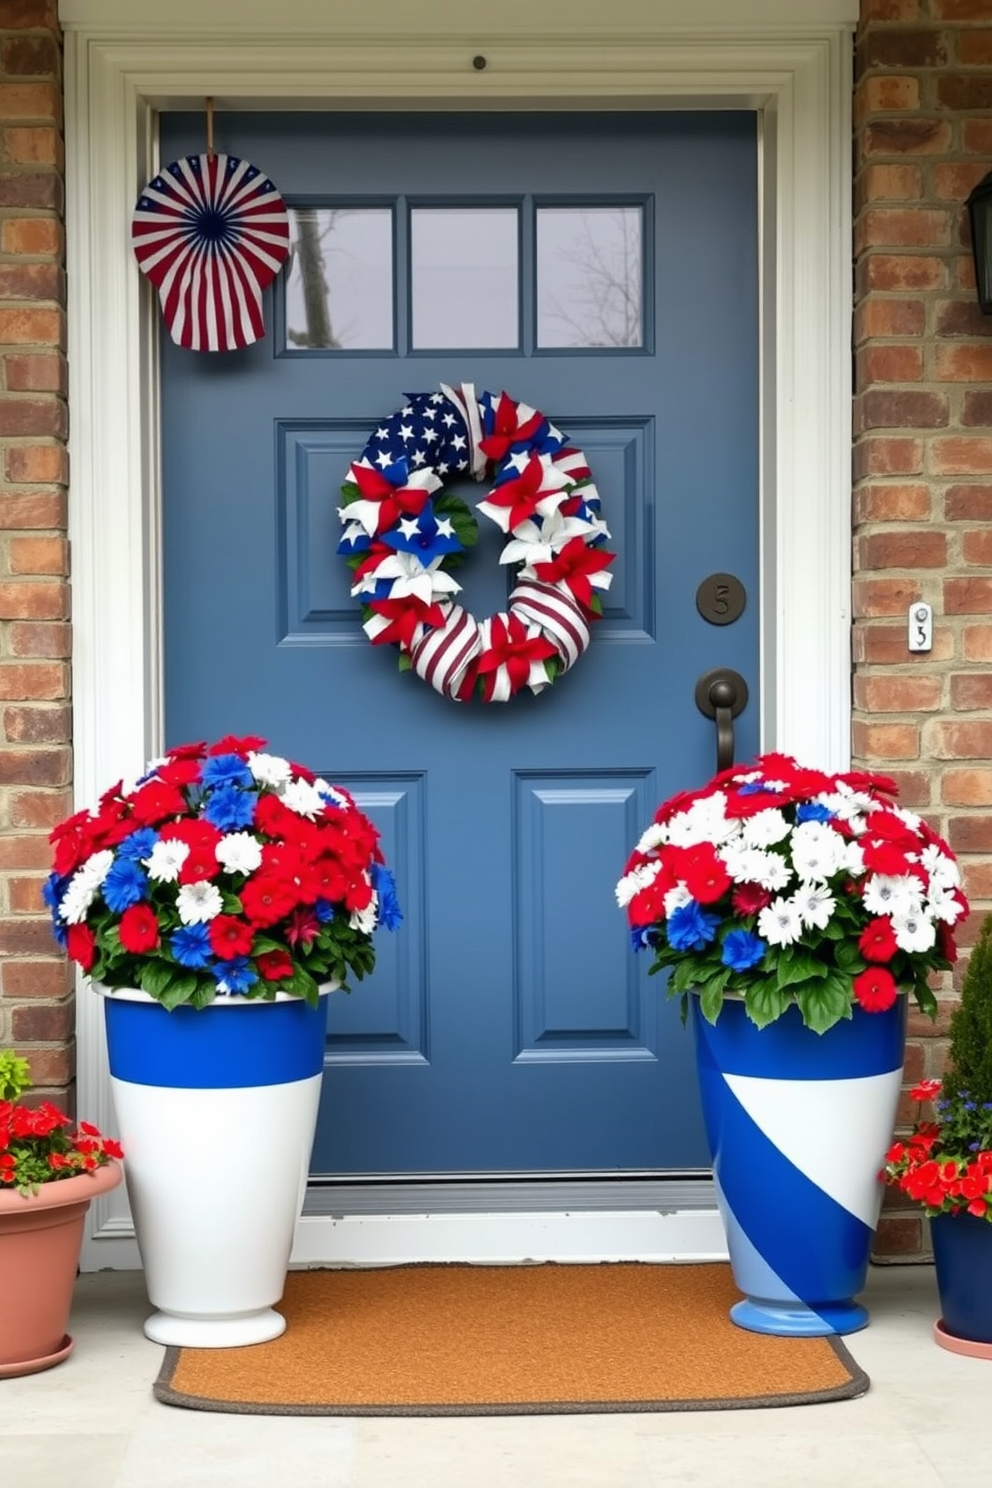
(126, 59)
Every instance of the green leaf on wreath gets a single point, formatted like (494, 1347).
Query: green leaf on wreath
(404, 663)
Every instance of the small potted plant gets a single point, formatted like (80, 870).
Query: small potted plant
(946, 1164)
(796, 911)
(214, 904)
(50, 1169)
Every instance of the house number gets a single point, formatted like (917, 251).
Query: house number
(721, 598)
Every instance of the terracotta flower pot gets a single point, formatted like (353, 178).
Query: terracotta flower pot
(40, 1238)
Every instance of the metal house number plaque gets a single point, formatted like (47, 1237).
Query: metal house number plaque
(721, 598)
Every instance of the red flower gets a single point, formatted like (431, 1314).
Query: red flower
(574, 566)
(267, 899)
(201, 838)
(703, 873)
(877, 941)
(230, 937)
(875, 989)
(508, 429)
(80, 942)
(230, 744)
(750, 898)
(139, 929)
(275, 966)
(156, 801)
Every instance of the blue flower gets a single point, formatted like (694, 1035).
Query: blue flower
(229, 809)
(384, 884)
(124, 885)
(742, 949)
(813, 811)
(642, 936)
(191, 946)
(236, 974)
(691, 928)
(226, 769)
(324, 910)
(139, 845)
(52, 890)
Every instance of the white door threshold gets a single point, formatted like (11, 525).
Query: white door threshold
(496, 1239)
(506, 1239)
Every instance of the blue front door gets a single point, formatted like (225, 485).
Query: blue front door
(602, 268)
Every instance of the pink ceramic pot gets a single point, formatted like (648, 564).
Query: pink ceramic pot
(40, 1239)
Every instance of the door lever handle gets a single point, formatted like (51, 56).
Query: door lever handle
(721, 694)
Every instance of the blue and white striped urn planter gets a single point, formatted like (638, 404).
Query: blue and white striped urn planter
(798, 1124)
(217, 1110)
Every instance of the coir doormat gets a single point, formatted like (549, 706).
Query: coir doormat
(430, 1340)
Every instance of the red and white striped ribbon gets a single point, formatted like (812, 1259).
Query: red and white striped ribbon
(467, 404)
(556, 614)
(442, 655)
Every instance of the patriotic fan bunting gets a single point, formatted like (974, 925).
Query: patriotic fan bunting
(404, 535)
(211, 232)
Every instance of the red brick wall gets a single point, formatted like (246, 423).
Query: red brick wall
(36, 1011)
(923, 446)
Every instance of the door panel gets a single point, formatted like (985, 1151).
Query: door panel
(508, 1027)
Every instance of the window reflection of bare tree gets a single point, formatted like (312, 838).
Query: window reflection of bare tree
(307, 255)
(604, 305)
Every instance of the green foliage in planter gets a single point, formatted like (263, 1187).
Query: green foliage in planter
(970, 1073)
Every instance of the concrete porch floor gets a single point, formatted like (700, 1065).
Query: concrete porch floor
(92, 1422)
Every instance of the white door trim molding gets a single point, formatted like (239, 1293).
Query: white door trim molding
(791, 60)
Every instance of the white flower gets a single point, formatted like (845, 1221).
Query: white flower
(637, 879)
(364, 919)
(913, 931)
(83, 886)
(895, 894)
(677, 898)
(165, 860)
(779, 923)
(239, 852)
(704, 821)
(766, 828)
(886, 894)
(655, 835)
(815, 904)
(849, 806)
(303, 798)
(942, 869)
(269, 769)
(942, 904)
(854, 859)
(817, 850)
(751, 865)
(908, 818)
(198, 902)
(330, 792)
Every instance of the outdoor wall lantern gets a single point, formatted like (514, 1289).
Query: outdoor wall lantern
(980, 213)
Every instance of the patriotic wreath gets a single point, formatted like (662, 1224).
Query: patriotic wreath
(404, 535)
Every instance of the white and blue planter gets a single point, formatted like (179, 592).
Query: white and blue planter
(798, 1124)
(216, 1111)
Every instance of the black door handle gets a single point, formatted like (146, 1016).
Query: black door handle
(721, 695)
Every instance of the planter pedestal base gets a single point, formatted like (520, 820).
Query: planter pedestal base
(799, 1322)
(222, 1332)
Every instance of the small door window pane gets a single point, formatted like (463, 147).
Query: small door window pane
(589, 276)
(339, 290)
(464, 277)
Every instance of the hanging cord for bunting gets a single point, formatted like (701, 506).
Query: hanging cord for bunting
(403, 535)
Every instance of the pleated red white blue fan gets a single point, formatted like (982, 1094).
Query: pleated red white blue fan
(211, 232)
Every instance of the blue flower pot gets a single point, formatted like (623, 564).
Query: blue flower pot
(962, 1252)
(798, 1124)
